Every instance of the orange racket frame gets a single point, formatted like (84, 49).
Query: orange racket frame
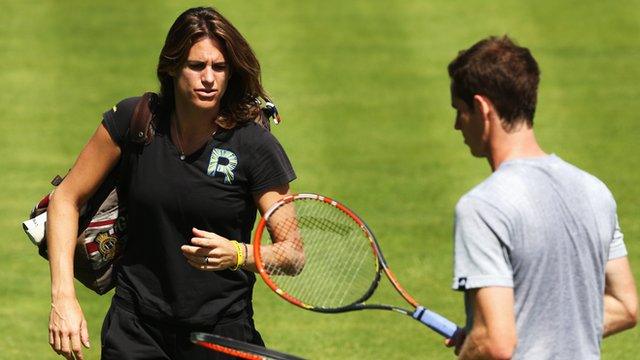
(433, 320)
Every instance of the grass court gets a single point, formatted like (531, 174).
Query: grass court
(364, 94)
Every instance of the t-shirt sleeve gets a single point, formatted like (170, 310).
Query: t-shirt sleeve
(617, 248)
(269, 164)
(117, 119)
(480, 253)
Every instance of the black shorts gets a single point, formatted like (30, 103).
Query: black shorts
(126, 336)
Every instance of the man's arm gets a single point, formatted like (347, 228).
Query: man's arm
(620, 297)
(493, 334)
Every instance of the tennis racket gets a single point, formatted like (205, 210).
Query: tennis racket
(239, 349)
(319, 255)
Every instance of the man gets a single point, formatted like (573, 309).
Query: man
(538, 249)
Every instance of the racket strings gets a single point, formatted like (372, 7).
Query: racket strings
(337, 292)
(310, 290)
(319, 254)
(329, 289)
(351, 278)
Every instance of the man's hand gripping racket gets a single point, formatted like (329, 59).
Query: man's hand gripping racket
(319, 255)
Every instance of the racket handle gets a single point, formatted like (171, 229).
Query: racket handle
(437, 323)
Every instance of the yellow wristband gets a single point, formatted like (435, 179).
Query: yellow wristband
(240, 255)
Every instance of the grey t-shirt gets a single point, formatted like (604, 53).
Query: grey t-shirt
(547, 229)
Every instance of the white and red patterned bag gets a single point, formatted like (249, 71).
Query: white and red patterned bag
(102, 225)
(100, 242)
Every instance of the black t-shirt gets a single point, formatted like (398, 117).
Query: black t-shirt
(166, 197)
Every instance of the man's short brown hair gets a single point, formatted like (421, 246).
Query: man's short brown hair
(502, 71)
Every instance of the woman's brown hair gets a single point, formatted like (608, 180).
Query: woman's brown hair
(239, 101)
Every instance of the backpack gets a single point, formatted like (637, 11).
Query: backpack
(101, 225)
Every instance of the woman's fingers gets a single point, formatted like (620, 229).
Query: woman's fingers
(210, 263)
(209, 251)
(212, 242)
(196, 256)
(56, 341)
(84, 334)
(206, 267)
(203, 260)
(76, 346)
(65, 346)
(68, 328)
(205, 234)
(51, 342)
(206, 259)
(197, 250)
(201, 252)
(199, 265)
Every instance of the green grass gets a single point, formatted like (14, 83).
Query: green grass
(363, 90)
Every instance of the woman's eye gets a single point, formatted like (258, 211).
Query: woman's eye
(196, 66)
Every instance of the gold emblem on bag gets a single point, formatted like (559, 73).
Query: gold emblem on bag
(108, 245)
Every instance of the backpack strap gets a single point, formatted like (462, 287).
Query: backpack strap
(141, 133)
(141, 130)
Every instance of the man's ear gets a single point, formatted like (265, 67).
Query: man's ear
(484, 106)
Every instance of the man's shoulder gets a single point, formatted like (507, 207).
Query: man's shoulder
(473, 202)
(517, 176)
(499, 191)
(525, 180)
(491, 187)
(582, 178)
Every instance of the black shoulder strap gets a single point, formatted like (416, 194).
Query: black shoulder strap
(140, 129)
(141, 132)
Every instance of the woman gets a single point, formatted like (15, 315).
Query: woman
(189, 192)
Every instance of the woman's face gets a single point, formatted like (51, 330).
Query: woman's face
(202, 81)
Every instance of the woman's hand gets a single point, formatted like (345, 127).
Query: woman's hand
(68, 328)
(210, 252)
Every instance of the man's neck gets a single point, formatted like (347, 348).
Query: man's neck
(520, 143)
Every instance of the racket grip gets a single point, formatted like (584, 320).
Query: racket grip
(437, 323)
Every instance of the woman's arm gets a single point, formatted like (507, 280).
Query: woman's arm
(221, 253)
(264, 201)
(67, 325)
